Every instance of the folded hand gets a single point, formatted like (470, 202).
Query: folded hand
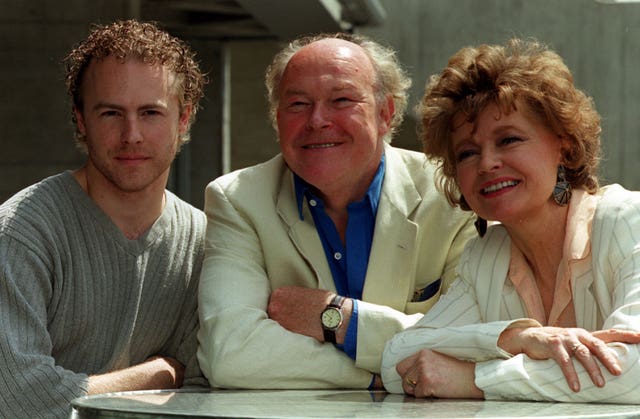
(563, 344)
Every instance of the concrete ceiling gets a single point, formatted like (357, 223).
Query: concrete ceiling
(278, 19)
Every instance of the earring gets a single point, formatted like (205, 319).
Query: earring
(481, 226)
(562, 190)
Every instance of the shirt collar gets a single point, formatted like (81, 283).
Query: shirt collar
(302, 188)
(582, 208)
(576, 247)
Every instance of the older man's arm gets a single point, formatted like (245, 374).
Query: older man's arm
(239, 345)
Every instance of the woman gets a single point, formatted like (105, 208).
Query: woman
(547, 303)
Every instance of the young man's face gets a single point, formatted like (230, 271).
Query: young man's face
(131, 119)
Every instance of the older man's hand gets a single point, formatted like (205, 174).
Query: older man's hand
(298, 310)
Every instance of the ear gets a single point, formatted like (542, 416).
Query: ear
(183, 123)
(80, 121)
(565, 149)
(385, 115)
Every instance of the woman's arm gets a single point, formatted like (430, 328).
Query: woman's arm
(450, 328)
(611, 292)
(564, 345)
(432, 374)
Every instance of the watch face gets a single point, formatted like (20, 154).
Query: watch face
(331, 318)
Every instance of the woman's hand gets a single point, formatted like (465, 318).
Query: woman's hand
(432, 374)
(561, 344)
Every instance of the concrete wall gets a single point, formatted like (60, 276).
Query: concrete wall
(252, 137)
(600, 43)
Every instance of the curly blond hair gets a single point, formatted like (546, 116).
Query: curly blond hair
(144, 41)
(522, 73)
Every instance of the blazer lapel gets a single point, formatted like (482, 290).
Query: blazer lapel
(391, 268)
(303, 232)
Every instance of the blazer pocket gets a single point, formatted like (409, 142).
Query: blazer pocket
(423, 294)
(424, 298)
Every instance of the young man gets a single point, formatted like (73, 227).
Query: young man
(99, 266)
(321, 254)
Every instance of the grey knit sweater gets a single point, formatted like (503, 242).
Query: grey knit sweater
(78, 298)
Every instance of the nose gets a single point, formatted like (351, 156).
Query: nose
(489, 161)
(319, 117)
(131, 132)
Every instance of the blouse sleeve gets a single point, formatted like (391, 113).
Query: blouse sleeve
(615, 292)
(455, 326)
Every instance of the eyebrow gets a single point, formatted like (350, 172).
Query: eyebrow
(103, 105)
(342, 87)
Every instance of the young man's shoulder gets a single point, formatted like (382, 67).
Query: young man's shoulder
(46, 197)
(185, 210)
(41, 214)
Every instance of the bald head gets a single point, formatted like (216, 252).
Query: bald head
(328, 59)
(332, 51)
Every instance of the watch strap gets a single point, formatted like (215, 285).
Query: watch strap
(336, 302)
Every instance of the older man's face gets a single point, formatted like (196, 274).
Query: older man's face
(329, 123)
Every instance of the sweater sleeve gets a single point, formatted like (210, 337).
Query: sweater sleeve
(184, 343)
(31, 384)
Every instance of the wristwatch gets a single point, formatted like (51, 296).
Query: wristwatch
(331, 318)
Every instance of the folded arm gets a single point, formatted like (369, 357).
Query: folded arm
(240, 345)
(531, 362)
(156, 373)
(31, 379)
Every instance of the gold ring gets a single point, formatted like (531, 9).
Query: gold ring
(575, 347)
(410, 381)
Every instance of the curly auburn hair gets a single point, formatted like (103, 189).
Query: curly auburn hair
(391, 78)
(522, 73)
(144, 41)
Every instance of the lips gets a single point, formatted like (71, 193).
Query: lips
(132, 160)
(319, 146)
(496, 187)
(131, 157)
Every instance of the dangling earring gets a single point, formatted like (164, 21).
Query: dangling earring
(562, 190)
(481, 226)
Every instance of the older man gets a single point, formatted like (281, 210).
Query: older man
(318, 256)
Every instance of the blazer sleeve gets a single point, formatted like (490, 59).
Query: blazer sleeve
(452, 327)
(616, 288)
(464, 323)
(239, 346)
(400, 269)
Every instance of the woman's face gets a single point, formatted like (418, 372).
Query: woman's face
(506, 165)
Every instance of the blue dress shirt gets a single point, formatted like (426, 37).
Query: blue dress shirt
(348, 262)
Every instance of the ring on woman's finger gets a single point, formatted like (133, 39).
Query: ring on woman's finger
(575, 347)
(411, 381)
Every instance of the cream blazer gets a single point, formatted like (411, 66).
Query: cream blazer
(256, 242)
(467, 322)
